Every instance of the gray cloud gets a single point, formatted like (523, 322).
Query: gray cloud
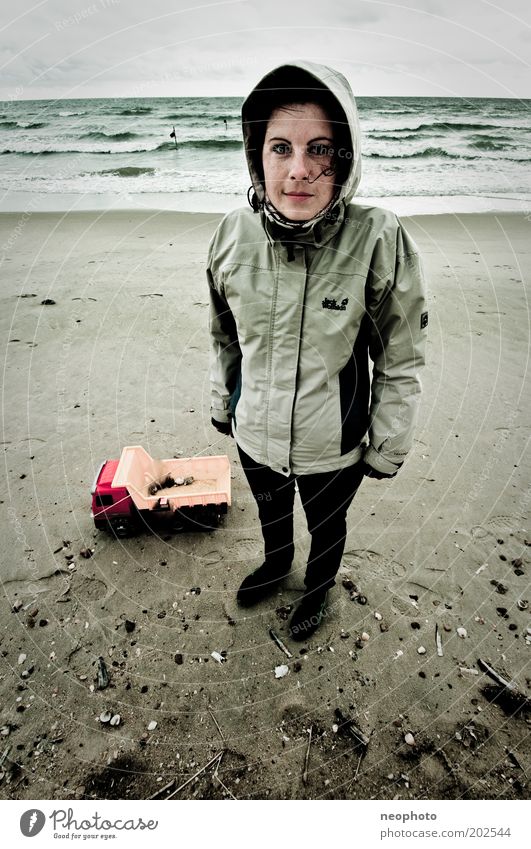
(75, 48)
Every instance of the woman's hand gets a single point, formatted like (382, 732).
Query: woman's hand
(222, 427)
(369, 472)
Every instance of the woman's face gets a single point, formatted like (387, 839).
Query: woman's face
(295, 154)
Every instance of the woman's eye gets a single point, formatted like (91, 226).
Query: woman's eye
(320, 150)
(280, 148)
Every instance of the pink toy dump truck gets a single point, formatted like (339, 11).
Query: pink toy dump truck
(181, 494)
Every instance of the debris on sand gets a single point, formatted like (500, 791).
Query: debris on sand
(349, 728)
(102, 675)
(438, 642)
(218, 656)
(307, 757)
(279, 643)
(506, 692)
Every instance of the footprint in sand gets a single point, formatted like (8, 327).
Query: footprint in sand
(371, 564)
(499, 527)
(244, 549)
(87, 589)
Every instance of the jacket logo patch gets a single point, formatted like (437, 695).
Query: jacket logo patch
(332, 304)
(423, 320)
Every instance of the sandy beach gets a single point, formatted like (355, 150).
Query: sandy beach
(121, 358)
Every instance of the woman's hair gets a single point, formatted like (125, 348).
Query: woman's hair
(302, 89)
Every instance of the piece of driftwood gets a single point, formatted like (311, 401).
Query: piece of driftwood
(348, 727)
(279, 643)
(195, 775)
(438, 641)
(162, 790)
(503, 682)
(307, 757)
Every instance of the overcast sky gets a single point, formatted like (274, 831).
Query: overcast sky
(119, 48)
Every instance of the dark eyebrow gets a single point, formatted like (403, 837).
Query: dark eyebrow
(319, 138)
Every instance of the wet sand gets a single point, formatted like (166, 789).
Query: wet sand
(121, 358)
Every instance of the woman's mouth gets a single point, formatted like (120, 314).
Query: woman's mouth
(298, 195)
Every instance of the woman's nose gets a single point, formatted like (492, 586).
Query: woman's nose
(299, 165)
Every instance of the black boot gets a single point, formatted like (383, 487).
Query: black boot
(260, 584)
(308, 615)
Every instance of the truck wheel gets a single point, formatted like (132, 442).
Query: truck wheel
(210, 518)
(122, 527)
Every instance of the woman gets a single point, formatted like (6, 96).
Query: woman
(304, 287)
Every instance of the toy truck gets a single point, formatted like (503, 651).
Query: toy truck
(180, 494)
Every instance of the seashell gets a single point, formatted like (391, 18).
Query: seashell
(421, 650)
(116, 719)
(365, 637)
(522, 604)
(21, 658)
(152, 725)
(105, 716)
(378, 616)
(409, 739)
(217, 656)
(281, 671)
(462, 632)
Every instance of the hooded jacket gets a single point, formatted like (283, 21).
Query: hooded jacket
(299, 320)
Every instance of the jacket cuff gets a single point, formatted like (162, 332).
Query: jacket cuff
(373, 458)
(222, 416)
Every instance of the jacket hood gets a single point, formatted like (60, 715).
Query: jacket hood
(314, 77)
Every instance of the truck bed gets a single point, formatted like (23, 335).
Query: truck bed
(137, 471)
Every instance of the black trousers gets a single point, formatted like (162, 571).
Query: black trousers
(325, 497)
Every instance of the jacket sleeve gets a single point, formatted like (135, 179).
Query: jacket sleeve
(398, 318)
(225, 353)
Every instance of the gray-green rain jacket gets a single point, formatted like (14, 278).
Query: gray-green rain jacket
(297, 319)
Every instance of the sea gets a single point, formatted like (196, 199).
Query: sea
(94, 153)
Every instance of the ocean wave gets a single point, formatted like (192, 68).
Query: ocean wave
(221, 144)
(428, 151)
(126, 136)
(125, 171)
(136, 110)
(69, 114)
(35, 125)
(488, 143)
(446, 126)
(9, 125)
(177, 116)
(390, 136)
